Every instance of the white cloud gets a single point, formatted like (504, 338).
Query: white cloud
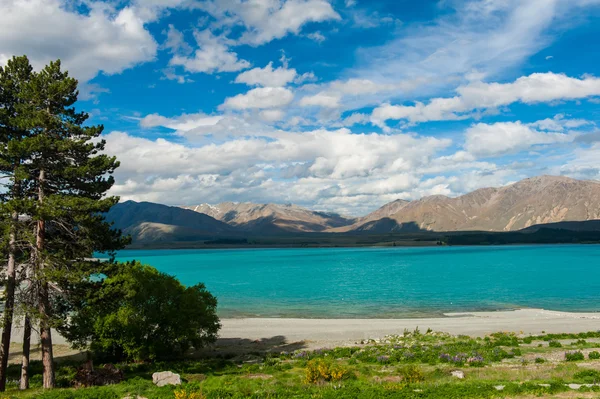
(195, 127)
(175, 41)
(361, 86)
(489, 36)
(261, 97)
(267, 76)
(355, 118)
(103, 40)
(584, 163)
(323, 99)
(559, 123)
(317, 37)
(319, 167)
(266, 20)
(272, 115)
(535, 88)
(483, 140)
(213, 55)
(184, 122)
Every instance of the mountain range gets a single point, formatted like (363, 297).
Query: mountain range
(542, 200)
(271, 218)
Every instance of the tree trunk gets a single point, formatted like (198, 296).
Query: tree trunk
(44, 296)
(25, 361)
(9, 303)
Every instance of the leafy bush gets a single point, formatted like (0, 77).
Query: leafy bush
(323, 370)
(588, 376)
(594, 355)
(540, 360)
(139, 313)
(574, 356)
(554, 344)
(411, 374)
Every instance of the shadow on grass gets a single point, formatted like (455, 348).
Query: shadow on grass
(223, 357)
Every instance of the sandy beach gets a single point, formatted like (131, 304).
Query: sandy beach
(339, 332)
(266, 334)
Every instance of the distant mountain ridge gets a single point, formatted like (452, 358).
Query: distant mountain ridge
(271, 218)
(528, 205)
(150, 222)
(533, 201)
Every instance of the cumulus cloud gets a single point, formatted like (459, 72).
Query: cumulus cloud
(322, 99)
(272, 115)
(102, 40)
(535, 88)
(319, 164)
(267, 76)
(266, 20)
(213, 55)
(485, 140)
(584, 163)
(184, 122)
(261, 97)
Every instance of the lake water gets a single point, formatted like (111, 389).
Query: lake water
(387, 282)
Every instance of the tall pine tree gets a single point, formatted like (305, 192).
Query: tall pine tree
(67, 178)
(13, 78)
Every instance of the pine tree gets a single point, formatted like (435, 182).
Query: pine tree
(70, 179)
(65, 180)
(13, 78)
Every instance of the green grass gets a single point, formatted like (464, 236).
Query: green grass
(412, 365)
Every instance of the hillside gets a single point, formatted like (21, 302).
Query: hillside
(149, 222)
(271, 218)
(531, 204)
(534, 201)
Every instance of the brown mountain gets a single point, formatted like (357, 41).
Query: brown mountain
(534, 201)
(149, 222)
(271, 218)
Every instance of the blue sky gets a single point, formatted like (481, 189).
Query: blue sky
(339, 105)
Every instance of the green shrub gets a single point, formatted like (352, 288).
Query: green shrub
(411, 374)
(139, 313)
(540, 360)
(588, 376)
(594, 355)
(574, 356)
(554, 344)
(324, 370)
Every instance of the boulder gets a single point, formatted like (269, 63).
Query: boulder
(166, 378)
(458, 374)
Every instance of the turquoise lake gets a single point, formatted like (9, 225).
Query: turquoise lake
(387, 282)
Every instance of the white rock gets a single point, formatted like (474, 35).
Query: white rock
(499, 387)
(166, 378)
(458, 374)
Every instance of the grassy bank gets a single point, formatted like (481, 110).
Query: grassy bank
(413, 365)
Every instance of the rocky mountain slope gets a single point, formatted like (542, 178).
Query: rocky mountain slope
(539, 202)
(149, 222)
(271, 218)
(534, 201)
